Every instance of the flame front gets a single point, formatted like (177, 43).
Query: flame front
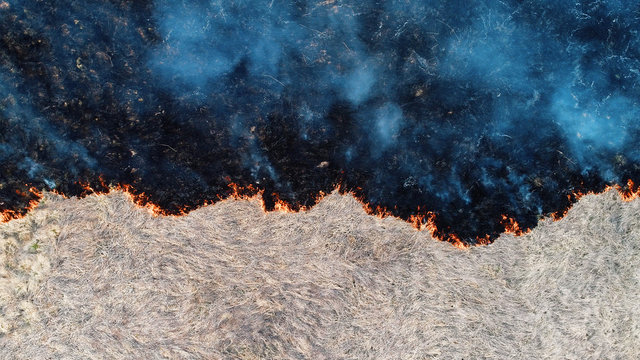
(7, 215)
(421, 220)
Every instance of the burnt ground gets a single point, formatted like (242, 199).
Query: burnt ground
(470, 112)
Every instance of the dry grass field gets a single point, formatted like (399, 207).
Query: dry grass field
(98, 278)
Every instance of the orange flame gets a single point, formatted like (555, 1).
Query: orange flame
(420, 221)
(630, 193)
(7, 215)
(512, 227)
(283, 206)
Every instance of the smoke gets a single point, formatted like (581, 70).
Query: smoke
(468, 109)
(28, 133)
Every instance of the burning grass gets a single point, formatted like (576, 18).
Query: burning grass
(421, 220)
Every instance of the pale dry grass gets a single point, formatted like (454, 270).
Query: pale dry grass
(229, 281)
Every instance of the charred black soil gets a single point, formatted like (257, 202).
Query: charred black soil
(470, 112)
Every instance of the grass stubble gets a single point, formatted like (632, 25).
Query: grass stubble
(98, 278)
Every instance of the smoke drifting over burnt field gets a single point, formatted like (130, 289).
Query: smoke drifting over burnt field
(470, 110)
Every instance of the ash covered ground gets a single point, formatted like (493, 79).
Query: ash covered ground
(471, 110)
